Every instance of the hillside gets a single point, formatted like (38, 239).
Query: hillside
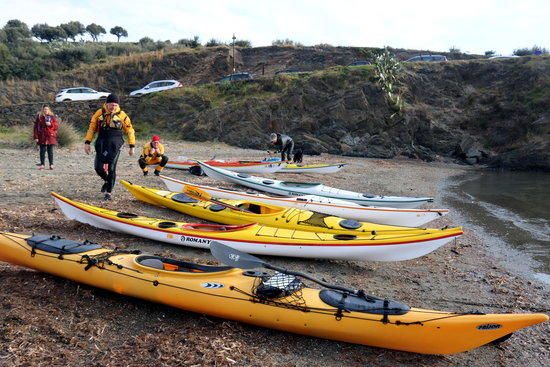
(189, 65)
(493, 112)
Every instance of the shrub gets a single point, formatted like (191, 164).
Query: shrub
(67, 135)
(535, 50)
(286, 43)
(243, 43)
(490, 53)
(186, 42)
(73, 57)
(213, 43)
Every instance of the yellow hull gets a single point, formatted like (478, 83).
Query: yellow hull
(268, 215)
(419, 331)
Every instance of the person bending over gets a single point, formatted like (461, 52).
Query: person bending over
(153, 153)
(283, 144)
(110, 123)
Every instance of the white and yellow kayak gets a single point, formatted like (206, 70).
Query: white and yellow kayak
(320, 204)
(244, 211)
(259, 239)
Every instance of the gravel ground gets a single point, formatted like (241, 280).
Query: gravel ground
(50, 321)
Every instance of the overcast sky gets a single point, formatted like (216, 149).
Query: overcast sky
(472, 26)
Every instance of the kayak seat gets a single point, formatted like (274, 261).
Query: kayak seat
(243, 175)
(367, 304)
(216, 208)
(268, 182)
(58, 245)
(252, 208)
(165, 263)
(183, 198)
(367, 195)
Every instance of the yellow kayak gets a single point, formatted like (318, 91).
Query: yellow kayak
(277, 301)
(244, 212)
(260, 239)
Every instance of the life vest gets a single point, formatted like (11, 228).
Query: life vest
(104, 123)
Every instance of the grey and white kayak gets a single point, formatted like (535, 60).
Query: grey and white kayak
(290, 188)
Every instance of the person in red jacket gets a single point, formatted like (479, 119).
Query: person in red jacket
(45, 134)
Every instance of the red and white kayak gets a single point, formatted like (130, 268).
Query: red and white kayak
(259, 239)
(320, 204)
(234, 166)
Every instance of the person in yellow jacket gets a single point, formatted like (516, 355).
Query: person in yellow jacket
(153, 153)
(110, 123)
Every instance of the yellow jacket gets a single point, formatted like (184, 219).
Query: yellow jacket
(116, 120)
(152, 157)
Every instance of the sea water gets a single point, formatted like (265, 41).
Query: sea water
(513, 206)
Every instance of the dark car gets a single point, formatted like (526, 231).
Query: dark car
(236, 77)
(429, 58)
(359, 63)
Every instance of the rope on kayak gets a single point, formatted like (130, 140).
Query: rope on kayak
(104, 258)
(279, 290)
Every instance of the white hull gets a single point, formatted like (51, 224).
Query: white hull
(279, 188)
(390, 252)
(319, 204)
(333, 168)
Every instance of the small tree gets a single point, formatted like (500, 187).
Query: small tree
(118, 31)
(454, 50)
(95, 31)
(73, 29)
(490, 53)
(47, 33)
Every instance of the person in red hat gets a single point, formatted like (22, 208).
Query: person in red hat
(153, 153)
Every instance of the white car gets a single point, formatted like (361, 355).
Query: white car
(79, 94)
(156, 86)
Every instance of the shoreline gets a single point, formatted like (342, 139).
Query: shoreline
(461, 276)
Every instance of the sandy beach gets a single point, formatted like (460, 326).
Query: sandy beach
(45, 320)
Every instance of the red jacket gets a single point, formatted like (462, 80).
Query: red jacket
(44, 133)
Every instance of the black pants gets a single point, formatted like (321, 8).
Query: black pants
(43, 148)
(110, 176)
(162, 163)
(287, 150)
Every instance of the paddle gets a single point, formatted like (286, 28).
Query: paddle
(238, 259)
(202, 195)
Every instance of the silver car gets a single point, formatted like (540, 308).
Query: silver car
(156, 86)
(79, 94)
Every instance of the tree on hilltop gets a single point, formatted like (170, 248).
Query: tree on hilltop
(73, 29)
(47, 33)
(95, 31)
(118, 31)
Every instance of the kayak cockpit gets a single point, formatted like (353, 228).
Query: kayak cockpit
(167, 264)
